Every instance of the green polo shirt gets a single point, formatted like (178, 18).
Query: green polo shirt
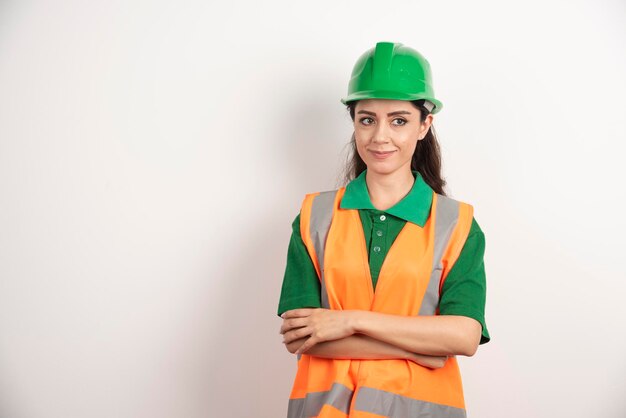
(464, 290)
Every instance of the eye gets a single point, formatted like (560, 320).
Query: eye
(404, 122)
(363, 119)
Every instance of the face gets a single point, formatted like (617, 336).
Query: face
(386, 133)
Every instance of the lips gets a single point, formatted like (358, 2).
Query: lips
(381, 154)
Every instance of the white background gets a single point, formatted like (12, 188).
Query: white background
(153, 155)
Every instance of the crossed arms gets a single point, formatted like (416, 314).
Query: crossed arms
(426, 340)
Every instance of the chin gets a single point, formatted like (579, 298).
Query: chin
(379, 168)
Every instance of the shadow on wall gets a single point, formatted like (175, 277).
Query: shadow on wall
(249, 371)
(315, 140)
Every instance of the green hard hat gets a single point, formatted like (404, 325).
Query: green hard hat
(392, 71)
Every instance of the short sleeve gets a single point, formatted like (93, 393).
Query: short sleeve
(465, 289)
(301, 286)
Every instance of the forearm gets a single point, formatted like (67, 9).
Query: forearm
(359, 346)
(437, 335)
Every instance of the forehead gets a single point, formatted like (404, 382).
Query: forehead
(384, 105)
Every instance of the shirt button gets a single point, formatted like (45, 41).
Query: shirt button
(377, 249)
(383, 217)
(379, 233)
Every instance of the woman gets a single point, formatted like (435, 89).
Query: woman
(377, 327)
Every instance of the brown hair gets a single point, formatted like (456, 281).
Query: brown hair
(426, 158)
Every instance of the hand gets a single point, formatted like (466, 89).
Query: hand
(318, 323)
(432, 362)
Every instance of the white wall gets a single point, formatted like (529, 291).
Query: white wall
(134, 133)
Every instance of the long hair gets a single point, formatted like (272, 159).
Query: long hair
(426, 158)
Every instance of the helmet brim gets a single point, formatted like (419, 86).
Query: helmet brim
(390, 95)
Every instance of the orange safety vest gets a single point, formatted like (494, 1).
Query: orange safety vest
(409, 283)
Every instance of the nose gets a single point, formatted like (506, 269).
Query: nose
(381, 134)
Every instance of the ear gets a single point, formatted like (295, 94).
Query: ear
(426, 126)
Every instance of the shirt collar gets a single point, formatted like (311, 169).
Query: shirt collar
(414, 207)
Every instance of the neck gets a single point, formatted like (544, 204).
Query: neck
(387, 189)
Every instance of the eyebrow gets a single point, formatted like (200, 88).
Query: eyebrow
(397, 112)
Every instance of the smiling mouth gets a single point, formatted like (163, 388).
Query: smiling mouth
(381, 155)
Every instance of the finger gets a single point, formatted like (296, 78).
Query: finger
(296, 313)
(307, 345)
(291, 323)
(296, 334)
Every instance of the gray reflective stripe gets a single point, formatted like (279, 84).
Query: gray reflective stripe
(446, 219)
(321, 216)
(339, 396)
(393, 405)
